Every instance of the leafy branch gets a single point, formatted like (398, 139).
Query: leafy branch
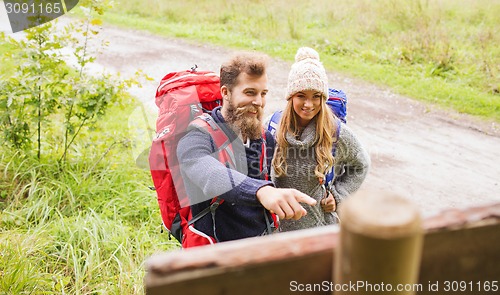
(44, 89)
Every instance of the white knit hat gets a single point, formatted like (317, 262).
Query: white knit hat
(307, 73)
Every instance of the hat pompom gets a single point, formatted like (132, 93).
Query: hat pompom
(307, 73)
(305, 53)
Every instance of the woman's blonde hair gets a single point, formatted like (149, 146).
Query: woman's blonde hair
(326, 127)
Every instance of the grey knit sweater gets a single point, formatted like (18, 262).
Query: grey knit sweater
(351, 166)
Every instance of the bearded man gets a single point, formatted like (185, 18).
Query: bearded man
(247, 198)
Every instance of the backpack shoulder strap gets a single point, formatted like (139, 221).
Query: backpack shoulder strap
(205, 121)
(274, 122)
(225, 156)
(331, 174)
(222, 142)
(274, 222)
(263, 156)
(223, 145)
(337, 136)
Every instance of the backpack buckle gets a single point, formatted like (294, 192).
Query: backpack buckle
(214, 205)
(195, 110)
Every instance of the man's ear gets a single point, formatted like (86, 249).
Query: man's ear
(225, 92)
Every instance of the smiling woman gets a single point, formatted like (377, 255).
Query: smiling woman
(310, 146)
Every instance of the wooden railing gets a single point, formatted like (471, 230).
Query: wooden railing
(460, 254)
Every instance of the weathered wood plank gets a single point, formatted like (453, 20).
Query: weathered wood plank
(469, 254)
(246, 266)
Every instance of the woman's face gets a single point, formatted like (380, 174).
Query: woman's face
(306, 105)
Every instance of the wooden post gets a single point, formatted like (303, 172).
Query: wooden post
(380, 245)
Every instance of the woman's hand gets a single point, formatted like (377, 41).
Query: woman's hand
(328, 203)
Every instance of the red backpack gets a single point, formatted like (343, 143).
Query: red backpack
(183, 98)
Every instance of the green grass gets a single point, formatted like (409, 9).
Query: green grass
(443, 52)
(82, 227)
(86, 229)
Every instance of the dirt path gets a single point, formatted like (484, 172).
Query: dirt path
(437, 159)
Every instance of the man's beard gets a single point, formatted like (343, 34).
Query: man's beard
(249, 126)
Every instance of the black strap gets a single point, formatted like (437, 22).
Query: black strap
(205, 211)
(268, 223)
(210, 209)
(213, 207)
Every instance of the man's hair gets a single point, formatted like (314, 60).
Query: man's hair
(253, 64)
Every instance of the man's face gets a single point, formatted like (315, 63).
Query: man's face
(243, 108)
